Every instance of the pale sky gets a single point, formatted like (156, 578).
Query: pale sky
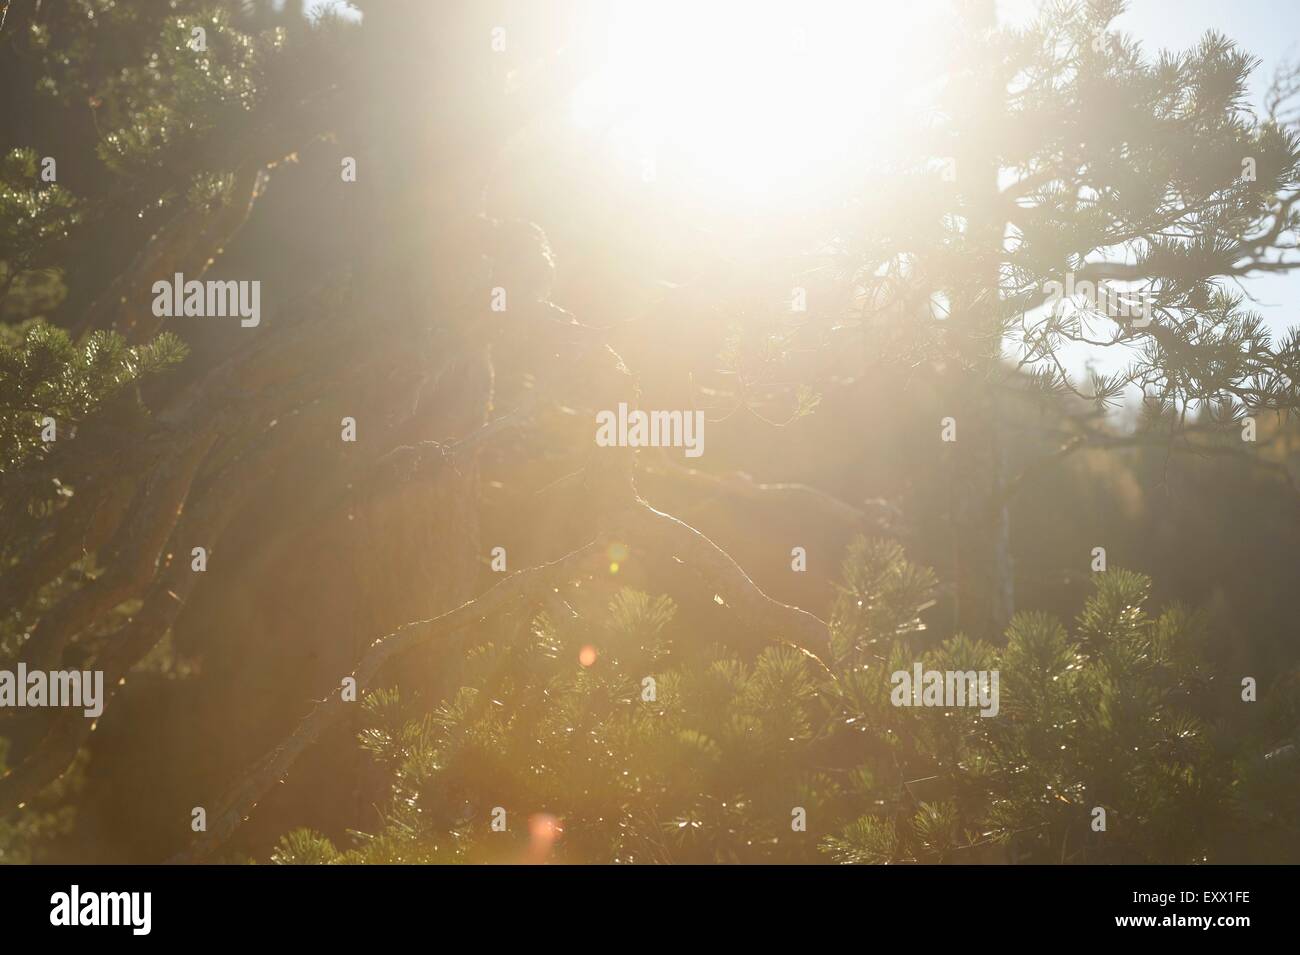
(1269, 29)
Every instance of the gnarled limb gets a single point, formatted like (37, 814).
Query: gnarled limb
(145, 531)
(186, 244)
(205, 519)
(208, 511)
(82, 527)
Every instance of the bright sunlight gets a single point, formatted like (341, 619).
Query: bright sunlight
(752, 104)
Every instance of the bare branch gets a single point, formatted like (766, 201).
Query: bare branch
(742, 485)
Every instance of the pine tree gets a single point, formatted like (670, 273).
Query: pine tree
(208, 138)
(565, 750)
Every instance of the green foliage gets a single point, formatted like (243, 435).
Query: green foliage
(1114, 177)
(706, 770)
(34, 214)
(1134, 159)
(1115, 714)
(24, 836)
(44, 374)
(173, 99)
(1109, 716)
(304, 847)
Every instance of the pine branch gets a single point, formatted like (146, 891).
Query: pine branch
(643, 526)
(240, 799)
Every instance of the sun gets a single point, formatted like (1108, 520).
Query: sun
(751, 98)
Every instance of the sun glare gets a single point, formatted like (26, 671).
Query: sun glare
(750, 98)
